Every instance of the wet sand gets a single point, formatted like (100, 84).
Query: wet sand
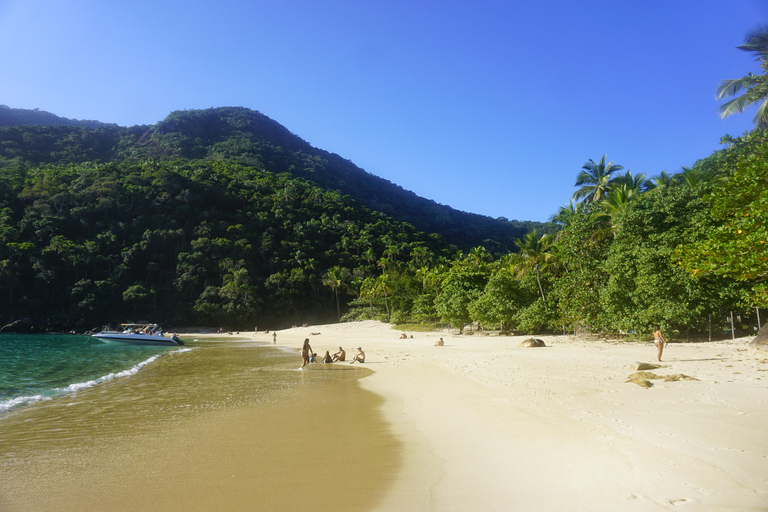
(210, 429)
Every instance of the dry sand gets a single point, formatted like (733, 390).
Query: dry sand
(486, 425)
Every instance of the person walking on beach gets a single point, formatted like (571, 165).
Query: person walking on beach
(658, 340)
(306, 352)
(274, 338)
(359, 357)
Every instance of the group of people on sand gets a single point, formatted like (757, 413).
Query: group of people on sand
(308, 356)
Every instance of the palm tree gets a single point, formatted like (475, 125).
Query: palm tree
(637, 183)
(567, 214)
(236, 279)
(691, 177)
(334, 279)
(594, 180)
(534, 252)
(664, 179)
(755, 86)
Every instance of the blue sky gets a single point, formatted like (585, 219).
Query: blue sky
(490, 107)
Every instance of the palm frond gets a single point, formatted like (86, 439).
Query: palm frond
(734, 106)
(730, 87)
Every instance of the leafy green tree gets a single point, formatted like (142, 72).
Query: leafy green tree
(755, 87)
(462, 285)
(645, 286)
(501, 299)
(737, 245)
(581, 254)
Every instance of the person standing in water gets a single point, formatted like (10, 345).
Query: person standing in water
(306, 352)
(658, 340)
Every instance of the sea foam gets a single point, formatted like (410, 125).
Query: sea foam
(7, 405)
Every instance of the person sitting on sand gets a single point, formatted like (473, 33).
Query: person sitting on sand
(326, 358)
(306, 352)
(658, 340)
(340, 355)
(440, 343)
(359, 357)
(403, 336)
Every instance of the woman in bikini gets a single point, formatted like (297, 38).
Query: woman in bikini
(306, 352)
(658, 340)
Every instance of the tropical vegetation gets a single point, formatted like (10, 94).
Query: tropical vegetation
(223, 217)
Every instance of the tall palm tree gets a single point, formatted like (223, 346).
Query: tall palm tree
(755, 86)
(594, 180)
(334, 279)
(534, 252)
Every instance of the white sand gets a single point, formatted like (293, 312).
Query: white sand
(490, 426)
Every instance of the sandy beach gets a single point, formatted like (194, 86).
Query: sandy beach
(477, 424)
(487, 425)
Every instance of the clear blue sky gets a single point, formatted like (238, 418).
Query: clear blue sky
(491, 107)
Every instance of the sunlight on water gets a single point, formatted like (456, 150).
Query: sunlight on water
(199, 378)
(219, 418)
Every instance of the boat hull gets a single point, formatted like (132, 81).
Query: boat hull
(136, 339)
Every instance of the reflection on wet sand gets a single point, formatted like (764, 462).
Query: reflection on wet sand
(226, 426)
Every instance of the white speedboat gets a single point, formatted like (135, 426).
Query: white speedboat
(138, 334)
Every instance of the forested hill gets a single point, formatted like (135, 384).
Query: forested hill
(20, 116)
(252, 139)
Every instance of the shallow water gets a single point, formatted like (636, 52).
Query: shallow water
(224, 426)
(37, 367)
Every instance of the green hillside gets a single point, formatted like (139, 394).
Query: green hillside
(250, 138)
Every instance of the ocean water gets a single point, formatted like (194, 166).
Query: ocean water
(233, 425)
(39, 367)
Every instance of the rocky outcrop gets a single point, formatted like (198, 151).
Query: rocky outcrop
(644, 378)
(531, 342)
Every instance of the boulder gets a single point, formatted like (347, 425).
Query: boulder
(644, 366)
(643, 376)
(532, 342)
(758, 347)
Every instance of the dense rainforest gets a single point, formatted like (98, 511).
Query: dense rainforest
(247, 137)
(224, 218)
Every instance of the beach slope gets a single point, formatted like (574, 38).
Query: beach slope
(487, 425)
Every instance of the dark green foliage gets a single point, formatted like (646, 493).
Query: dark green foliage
(183, 241)
(250, 138)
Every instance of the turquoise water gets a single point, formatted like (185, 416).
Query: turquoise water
(37, 367)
